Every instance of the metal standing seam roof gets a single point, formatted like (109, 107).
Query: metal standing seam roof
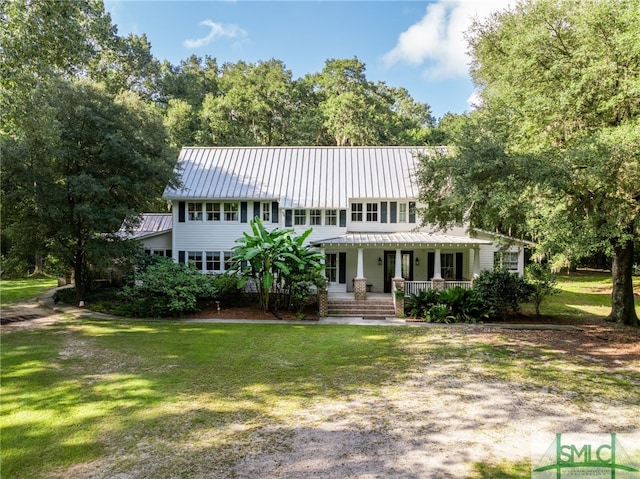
(400, 238)
(151, 224)
(303, 177)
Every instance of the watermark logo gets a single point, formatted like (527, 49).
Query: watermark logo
(586, 456)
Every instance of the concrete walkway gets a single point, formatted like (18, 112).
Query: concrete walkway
(46, 301)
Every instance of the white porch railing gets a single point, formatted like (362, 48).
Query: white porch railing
(414, 287)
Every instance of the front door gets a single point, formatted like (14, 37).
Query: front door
(335, 265)
(390, 267)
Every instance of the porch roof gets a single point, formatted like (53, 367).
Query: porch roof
(404, 239)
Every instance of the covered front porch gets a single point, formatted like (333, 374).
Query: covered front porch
(368, 263)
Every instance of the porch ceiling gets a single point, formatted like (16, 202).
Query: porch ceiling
(405, 239)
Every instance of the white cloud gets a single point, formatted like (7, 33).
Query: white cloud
(218, 30)
(438, 38)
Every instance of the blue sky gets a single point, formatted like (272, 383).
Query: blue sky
(418, 45)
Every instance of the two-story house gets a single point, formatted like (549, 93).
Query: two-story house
(360, 201)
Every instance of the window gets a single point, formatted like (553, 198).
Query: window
(507, 260)
(402, 212)
(266, 211)
(227, 260)
(331, 267)
(446, 266)
(231, 211)
(331, 217)
(299, 217)
(213, 261)
(195, 211)
(196, 257)
(213, 211)
(356, 211)
(315, 217)
(372, 211)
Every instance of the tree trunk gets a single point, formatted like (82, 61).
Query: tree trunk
(622, 302)
(80, 275)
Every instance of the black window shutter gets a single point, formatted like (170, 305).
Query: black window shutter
(244, 213)
(181, 256)
(342, 266)
(256, 209)
(181, 211)
(288, 217)
(343, 218)
(383, 212)
(274, 211)
(431, 264)
(394, 211)
(412, 212)
(459, 265)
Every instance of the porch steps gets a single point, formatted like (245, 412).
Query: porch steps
(367, 309)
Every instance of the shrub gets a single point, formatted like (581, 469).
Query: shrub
(543, 283)
(418, 305)
(463, 304)
(439, 313)
(501, 292)
(166, 288)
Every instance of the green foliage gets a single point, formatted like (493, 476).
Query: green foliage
(278, 263)
(447, 306)
(543, 283)
(89, 161)
(558, 82)
(418, 305)
(165, 288)
(501, 292)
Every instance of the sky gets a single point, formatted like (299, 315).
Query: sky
(418, 45)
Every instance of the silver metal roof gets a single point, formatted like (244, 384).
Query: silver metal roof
(304, 177)
(400, 239)
(151, 224)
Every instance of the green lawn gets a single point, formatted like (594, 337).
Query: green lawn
(197, 397)
(584, 296)
(165, 399)
(15, 290)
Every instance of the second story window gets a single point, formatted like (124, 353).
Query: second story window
(372, 211)
(331, 217)
(299, 217)
(230, 211)
(266, 211)
(213, 211)
(356, 211)
(195, 211)
(315, 217)
(402, 212)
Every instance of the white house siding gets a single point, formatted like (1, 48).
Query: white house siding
(158, 242)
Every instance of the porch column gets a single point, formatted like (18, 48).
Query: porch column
(437, 266)
(437, 283)
(360, 282)
(398, 272)
(360, 270)
(476, 261)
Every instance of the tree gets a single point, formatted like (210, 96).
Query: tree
(553, 148)
(98, 160)
(255, 105)
(273, 260)
(543, 283)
